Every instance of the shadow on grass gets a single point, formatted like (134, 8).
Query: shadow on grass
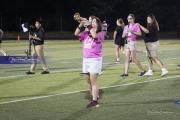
(61, 86)
(130, 89)
(78, 114)
(88, 96)
(118, 104)
(13, 80)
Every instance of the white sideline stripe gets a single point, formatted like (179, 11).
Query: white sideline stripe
(13, 76)
(68, 70)
(144, 63)
(67, 93)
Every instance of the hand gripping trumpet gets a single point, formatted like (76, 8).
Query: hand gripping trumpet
(78, 18)
(82, 20)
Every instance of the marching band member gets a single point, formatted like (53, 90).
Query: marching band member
(118, 40)
(38, 48)
(130, 33)
(152, 45)
(92, 55)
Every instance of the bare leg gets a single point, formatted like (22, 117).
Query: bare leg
(159, 62)
(150, 61)
(87, 77)
(117, 52)
(33, 65)
(126, 63)
(122, 49)
(95, 90)
(40, 53)
(161, 65)
(136, 61)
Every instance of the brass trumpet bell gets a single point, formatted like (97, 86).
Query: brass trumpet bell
(77, 17)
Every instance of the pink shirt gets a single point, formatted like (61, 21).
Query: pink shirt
(92, 48)
(135, 28)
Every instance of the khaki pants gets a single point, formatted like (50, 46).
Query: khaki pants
(152, 49)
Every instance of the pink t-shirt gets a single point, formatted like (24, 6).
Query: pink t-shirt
(135, 28)
(92, 48)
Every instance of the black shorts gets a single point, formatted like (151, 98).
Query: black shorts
(36, 42)
(0, 41)
(119, 42)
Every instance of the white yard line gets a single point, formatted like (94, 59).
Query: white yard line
(14, 76)
(67, 93)
(68, 70)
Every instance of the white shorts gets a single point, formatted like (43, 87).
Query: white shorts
(92, 65)
(130, 46)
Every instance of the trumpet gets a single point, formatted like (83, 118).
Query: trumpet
(77, 17)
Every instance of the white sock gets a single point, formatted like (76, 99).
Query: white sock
(117, 59)
(163, 69)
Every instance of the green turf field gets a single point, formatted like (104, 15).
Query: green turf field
(62, 95)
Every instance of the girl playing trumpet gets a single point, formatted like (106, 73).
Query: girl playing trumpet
(92, 54)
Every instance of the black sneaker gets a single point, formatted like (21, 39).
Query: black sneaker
(45, 72)
(30, 73)
(142, 73)
(124, 75)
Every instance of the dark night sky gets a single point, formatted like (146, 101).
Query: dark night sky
(53, 11)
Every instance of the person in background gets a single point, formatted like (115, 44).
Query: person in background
(130, 33)
(92, 55)
(105, 28)
(152, 45)
(118, 40)
(38, 48)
